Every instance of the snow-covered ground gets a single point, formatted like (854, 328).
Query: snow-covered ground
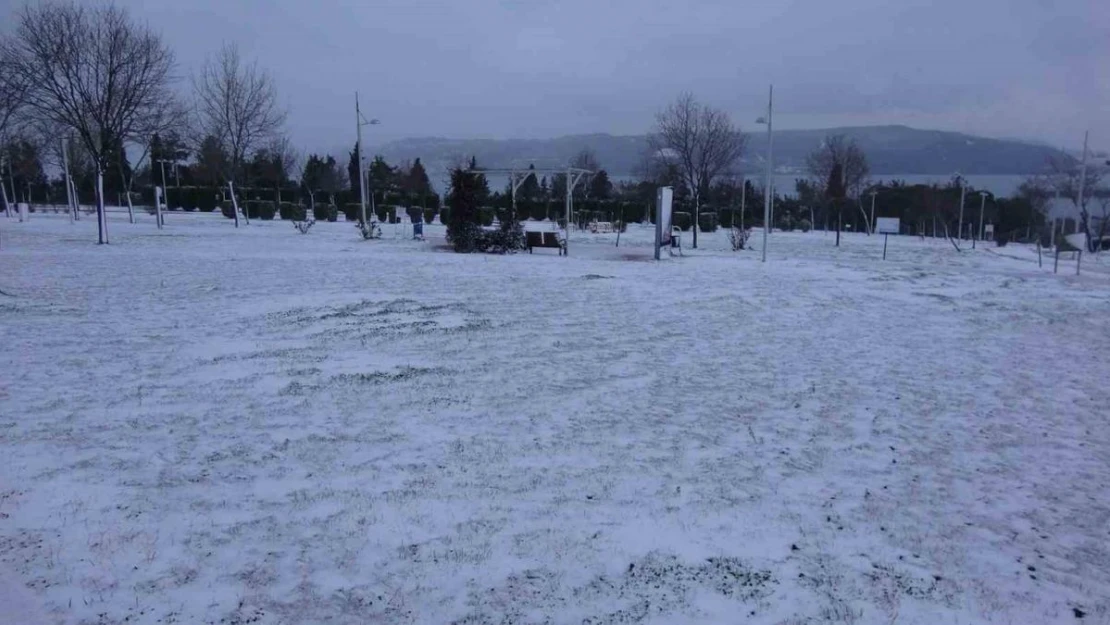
(211, 425)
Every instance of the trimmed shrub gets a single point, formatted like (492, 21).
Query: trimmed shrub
(429, 215)
(726, 217)
(804, 225)
(227, 209)
(444, 215)
(333, 213)
(386, 213)
(351, 211)
(415, 213)
(633, 213)
(254, 208)
(681, 220)
(707, 222)
(293, 212)
(321, 212)
(267, 210)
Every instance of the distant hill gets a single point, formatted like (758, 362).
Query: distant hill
(890, 149)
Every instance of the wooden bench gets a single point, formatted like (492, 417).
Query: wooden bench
(544, 239)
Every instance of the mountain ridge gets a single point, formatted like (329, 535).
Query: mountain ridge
(891, 149)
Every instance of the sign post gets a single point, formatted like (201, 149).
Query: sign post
(887, 226)
(663, 198)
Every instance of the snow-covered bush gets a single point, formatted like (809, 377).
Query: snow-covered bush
(738, 238)
(681, 220)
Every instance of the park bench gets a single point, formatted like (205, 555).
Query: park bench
(544, 239)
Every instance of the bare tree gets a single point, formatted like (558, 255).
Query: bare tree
(840, 155)
(284, 161)
(237, 103)
(1064, 178)
(701, 141)
(13, 89)
(95, 71)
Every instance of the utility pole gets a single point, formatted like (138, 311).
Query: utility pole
(770, 156)
(363, 175)
(361, 167)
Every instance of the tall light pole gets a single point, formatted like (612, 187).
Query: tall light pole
(963, 191)
(982, 205)
(770, 156)
(361, 121)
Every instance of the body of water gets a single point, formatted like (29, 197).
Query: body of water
(999, 185)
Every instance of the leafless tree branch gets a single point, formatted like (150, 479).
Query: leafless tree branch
(95, 71)
(700, 140)
(236, 102)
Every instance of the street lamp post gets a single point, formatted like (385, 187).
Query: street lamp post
(770, 156)
(963, 191)
(361, 121)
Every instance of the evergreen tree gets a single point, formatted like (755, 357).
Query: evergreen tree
(211, 162)
(463, 229)
(383, 178)
(530, 188)
(600, 186)
(352, 173)
(482, 182)
(416, 185)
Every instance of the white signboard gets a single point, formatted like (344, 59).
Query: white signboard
(888, 225)
(988, 231)
(665, 199)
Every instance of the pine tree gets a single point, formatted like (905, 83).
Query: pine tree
(352, 173)
(463, 229)
(600, 186)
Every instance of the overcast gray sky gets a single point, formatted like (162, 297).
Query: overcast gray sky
(485, 68)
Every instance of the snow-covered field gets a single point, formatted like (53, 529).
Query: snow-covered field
(210, 425)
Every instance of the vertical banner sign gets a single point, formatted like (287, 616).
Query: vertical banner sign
(663, 199)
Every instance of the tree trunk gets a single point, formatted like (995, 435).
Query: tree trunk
(234, 203)
(101, 214)
(697, 217)
(4, 192)
(839, 224)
